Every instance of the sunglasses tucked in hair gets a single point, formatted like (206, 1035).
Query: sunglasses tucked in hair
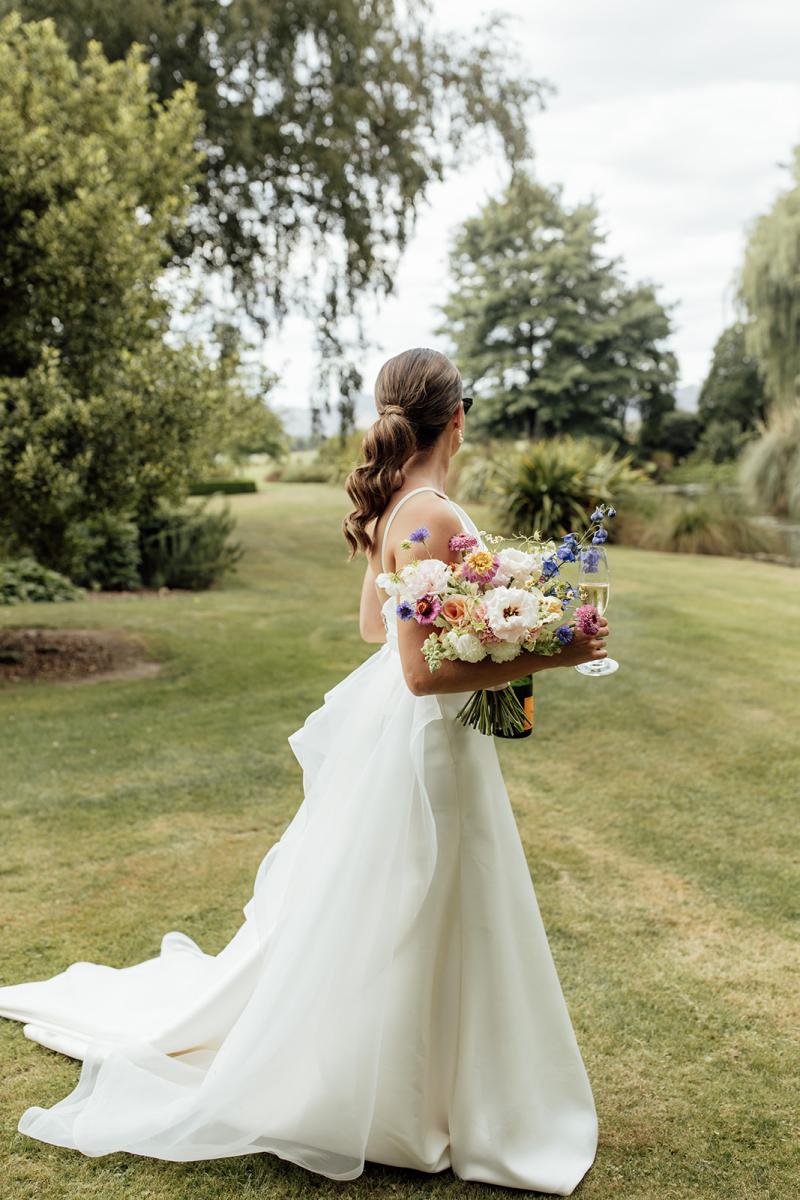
(467, 402)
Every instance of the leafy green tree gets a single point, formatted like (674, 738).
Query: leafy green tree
(98, 411)
(324, 125)
(679, 433)
(733, 389)
(545, 328)
(770, 290)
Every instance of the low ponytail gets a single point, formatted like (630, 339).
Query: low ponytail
(416, 394)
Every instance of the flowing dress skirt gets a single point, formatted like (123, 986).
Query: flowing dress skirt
(390, 996)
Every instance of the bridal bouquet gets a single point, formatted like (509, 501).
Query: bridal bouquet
(496, 601)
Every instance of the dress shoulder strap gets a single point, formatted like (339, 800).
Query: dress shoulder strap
(399, 505)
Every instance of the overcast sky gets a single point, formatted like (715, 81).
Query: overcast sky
(675, 117)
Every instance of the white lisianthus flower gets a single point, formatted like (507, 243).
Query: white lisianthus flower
(517, 565)
(466, 647)
(427, 577)
(392, 584)
(503, 651)
(511, 612)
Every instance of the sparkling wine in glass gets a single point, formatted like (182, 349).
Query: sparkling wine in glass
(594, 587)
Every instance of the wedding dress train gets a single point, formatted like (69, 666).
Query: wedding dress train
(390, 996)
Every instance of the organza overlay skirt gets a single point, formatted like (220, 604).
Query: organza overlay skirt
(390, 995)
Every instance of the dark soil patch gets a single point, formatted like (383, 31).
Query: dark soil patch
(72, 654)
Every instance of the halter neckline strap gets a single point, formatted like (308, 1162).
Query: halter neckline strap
(401, 502)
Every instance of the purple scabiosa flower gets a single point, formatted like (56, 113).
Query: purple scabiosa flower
(460, 542)
(600, 536)
(405, 610)
(480, 567)
(565, 634)
(587, 619)
(598, 513)
(419, 535)
(427, 609)
(590, 560)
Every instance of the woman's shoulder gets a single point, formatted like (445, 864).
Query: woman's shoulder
(427, 509)
(413, 507)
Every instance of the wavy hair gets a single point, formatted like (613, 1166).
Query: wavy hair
(416, 394)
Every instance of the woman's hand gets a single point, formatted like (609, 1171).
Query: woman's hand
(583, 648)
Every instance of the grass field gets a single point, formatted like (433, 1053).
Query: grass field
(658, 810)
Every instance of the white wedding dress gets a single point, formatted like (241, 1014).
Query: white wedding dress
(390, 996)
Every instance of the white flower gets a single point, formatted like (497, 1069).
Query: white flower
(391, 584)
(503, 651)
(517, 565)
(511, 612)
(466, 647)
(426, 577)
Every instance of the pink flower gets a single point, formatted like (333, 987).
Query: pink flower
(461, 541)
(480, 567)
(487, 637)
(587, 619)
(427, 609)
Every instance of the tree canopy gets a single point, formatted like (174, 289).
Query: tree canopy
(544, 327)
(770, 290)
(100, 411)
(324, 123)
(733, 390)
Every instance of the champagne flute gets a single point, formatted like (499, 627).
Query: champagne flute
(594, 587)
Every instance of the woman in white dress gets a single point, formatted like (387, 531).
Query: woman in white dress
(391, 995)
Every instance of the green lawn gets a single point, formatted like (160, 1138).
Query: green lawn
(657, 809)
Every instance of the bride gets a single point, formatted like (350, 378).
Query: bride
(390, 995)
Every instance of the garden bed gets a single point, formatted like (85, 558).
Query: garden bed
(72, 654)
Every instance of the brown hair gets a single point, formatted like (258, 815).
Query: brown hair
(416, 394)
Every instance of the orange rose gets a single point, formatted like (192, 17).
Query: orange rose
(455, 610)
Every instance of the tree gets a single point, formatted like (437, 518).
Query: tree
(98, 412)
(544, 327)
(733, 390)
(769, 287)
(324, 125)
(679, 433)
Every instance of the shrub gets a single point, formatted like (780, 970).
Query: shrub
(187, 549)
(770, 466)
(331, 463)
(225, 487)
(476, 471)
(711, 522)
(722, 441)
(340, 455)
(305, 471)
(553, 485)
(23, 580)
(106, 553)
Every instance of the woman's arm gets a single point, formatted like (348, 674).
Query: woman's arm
(370, 620)
(463, 676)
